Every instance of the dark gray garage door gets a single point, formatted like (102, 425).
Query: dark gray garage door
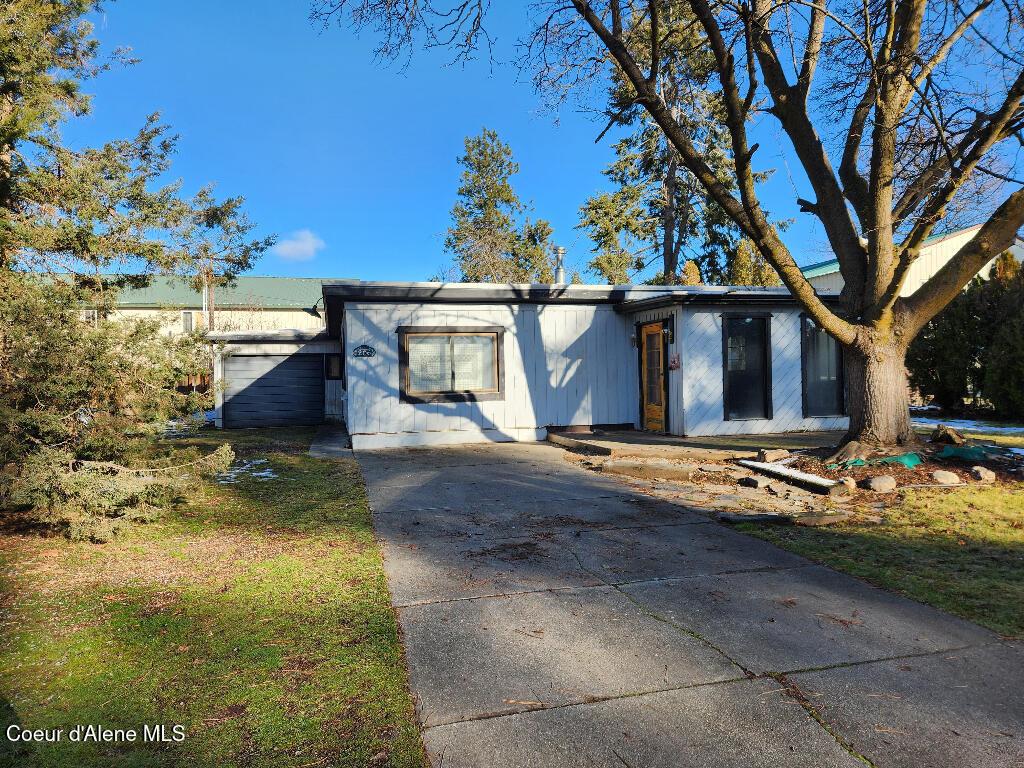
(273, 390)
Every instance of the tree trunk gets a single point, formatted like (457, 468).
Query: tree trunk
(669, 252)
(877, 395)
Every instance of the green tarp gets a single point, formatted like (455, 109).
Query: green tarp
(908, 460)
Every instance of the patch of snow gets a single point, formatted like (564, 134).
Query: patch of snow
(253, 468)
(967, 425)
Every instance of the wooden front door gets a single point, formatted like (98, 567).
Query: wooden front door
(652, 376)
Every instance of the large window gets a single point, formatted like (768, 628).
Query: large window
(822, 372)
(450, 364)
(746, 363)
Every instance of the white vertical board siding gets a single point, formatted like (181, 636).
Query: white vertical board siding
(702, 377)
(562, 365)
(676, 405)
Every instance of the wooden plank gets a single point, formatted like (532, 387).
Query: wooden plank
(795, 477)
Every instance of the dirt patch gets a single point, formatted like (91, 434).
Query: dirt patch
(919, 475)
(512, 552)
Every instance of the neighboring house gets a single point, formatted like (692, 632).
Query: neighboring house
(430, 364)
(936, 251)
(249, 303)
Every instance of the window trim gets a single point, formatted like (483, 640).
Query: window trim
(844, 411)
(769, 400)
(469, 396)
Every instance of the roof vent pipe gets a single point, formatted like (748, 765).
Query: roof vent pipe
(559, 265)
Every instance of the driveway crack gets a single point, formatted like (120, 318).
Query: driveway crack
(796, 693)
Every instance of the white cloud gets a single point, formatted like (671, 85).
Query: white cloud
(300, 245)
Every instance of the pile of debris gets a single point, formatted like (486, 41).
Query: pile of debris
(808, 487)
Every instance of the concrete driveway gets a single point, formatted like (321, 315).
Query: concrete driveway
(552, 617)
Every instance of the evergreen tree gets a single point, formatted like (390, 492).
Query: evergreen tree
(746, 266)
(969, 348)
(485, 239)
(658, 211)
(691, 273)
(79, 400)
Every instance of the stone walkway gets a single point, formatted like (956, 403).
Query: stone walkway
(552, 617)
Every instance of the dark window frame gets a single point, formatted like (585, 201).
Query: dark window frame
(327, 367)
(769, 404)
(468, 396)
(844, 411)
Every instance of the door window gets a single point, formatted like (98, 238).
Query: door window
(747, 368)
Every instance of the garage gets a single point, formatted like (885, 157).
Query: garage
(273, 390)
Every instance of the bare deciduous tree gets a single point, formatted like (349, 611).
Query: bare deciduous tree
(903, 115)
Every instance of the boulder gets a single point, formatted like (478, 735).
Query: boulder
(849, 482)
(880, 483)
(659, 469)
(771, 455)
(983, 474)
(823, 519)
(942, 477)
(944, 434)
(755, 481)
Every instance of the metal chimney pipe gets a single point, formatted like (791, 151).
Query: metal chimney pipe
(560, 265)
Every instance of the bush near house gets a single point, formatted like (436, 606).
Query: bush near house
(975, 346)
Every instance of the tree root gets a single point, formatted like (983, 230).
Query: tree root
(855, 449)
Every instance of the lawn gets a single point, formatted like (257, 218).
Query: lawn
(960, 550)
(256, 615)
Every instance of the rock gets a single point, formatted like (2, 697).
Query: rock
(849, 482)
(712, 467)
(753, 517)
(660, 469)
(944, 434)
(771, 455)
(983, 474)
(755, 481)
(880, 483)
(826, 519)
(942, 477)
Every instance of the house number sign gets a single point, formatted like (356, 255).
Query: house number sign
(364, 350)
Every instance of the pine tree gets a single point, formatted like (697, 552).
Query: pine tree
(746, 266)
(485, 240)
(691, 273)
(657, 211)
(78, 401)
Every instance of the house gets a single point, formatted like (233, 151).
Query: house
(249, 303)
(935, 252)
(406, 364)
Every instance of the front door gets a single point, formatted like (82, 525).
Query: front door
(652, 373)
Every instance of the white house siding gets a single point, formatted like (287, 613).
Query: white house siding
(563, 365)
(702, 396)
(676, 406)
(932, 258)
(228, 319)
(828, 283)
(334, 394)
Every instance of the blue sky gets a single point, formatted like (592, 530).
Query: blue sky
(350, 161)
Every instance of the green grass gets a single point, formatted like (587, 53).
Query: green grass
(256, 615)
(960, 550)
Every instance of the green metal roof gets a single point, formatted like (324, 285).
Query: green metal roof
(245, 291)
